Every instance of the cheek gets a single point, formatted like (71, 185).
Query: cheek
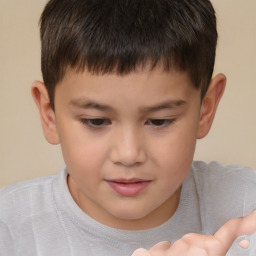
(84, 157)
(175, 155)
(84, 164)
(178, 148)
(81, 154)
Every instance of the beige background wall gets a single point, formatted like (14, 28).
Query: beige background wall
(25, 154)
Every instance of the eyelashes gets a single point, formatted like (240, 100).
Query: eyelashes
(160, 122)
(95, 122)
(102, 122)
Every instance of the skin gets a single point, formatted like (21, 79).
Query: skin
(202, 245)
(141, 126)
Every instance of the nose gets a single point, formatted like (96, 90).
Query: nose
(128, 148)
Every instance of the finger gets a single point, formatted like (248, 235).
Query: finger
(247, 225)
(234, 228)
(228, 233)
(206, 242)
(141, 252)
(160, 247)
(179, 248)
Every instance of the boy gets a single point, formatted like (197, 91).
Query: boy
(127, 91)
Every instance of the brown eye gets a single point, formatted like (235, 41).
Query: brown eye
(159, 122)
(96, 123)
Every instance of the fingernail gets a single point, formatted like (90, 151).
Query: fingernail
(244, 243)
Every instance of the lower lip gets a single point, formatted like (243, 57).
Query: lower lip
(128, 189)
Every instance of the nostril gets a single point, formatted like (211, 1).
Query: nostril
(128, 157)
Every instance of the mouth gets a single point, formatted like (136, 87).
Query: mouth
(128, 188)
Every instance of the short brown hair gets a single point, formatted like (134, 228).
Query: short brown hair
(118, 36)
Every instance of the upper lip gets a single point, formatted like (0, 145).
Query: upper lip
(128, 181)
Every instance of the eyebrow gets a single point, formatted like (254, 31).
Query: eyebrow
(88, 104)
(170, 104)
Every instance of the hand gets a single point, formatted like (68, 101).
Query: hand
(203, 245)
(159, 250)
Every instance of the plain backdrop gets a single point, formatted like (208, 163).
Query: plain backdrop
(25, 154)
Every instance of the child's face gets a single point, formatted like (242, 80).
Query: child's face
(128, 141)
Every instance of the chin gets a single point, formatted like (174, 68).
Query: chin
(131, 215)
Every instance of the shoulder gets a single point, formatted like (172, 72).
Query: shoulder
(215, 172)
(22, 199)
(218, 178)
(217, 169)
(25, 187)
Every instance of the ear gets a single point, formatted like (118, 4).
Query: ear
(47, 115)
(210, 104)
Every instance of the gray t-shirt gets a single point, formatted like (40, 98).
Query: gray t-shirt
(39, 217)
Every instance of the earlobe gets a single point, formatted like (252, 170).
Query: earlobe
(210, 104)
(47, 115)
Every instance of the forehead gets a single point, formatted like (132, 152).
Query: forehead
(136, 76)
(141, 84)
